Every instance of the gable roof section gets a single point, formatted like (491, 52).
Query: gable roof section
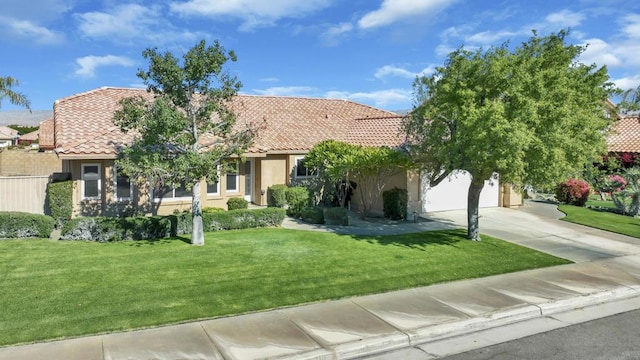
(625, 136)
(380, 131)
(45, 135)
(83, 125)
(7, 133)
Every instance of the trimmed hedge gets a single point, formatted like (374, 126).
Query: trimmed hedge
(277, 195)
(237, 203)
(104, 229)
(394, 203)
(312, 215)
(243, 219)
(336, 216)
(60, 196)
(15, 224)
(297, 198)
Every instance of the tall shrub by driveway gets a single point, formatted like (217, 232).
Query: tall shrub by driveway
(573, 192)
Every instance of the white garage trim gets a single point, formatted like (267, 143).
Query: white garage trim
(451, 193)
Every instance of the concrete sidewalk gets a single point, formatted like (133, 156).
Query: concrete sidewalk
(416, 320)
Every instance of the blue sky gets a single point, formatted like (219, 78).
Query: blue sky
(368, 51)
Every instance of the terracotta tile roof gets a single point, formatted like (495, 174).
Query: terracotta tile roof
(625, 136)
(381, 131)
(84, 127)
(32, 136)
(45, 135)
(8, 133)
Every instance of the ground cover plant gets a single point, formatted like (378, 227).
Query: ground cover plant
(603, 219)
(59, 289)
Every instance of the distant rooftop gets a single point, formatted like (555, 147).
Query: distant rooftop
(24, 117)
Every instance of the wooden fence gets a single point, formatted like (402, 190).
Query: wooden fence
(24, 193)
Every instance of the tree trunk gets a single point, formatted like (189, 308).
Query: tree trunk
(473, 204)
(197, 233)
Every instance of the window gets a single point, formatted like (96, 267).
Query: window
(170, 192)
(214, 187)
(232, 178)
(122, 185)
(301, 170)
(90, 181)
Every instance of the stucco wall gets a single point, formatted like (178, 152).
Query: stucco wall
(23, 162)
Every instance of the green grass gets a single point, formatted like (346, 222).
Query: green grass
(597, 202)
(62, 289)
(604, 220)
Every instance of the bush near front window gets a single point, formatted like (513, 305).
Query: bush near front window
(237, 203)
(394, 204)
(25, 225)
(105, 229)
(60, 197)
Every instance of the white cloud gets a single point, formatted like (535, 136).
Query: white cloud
(631, 26)
(130, 22)
(490, 37)
(626, 83)
(37, 11)
(288, 91)
(565, 18)
(600, 53)
(252, 13)
(395, 10)
(89, 64)
(392, 70)
(332, 35)
(29, 30)
(381, 98)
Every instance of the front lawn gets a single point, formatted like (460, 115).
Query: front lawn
(602, 219)
(61, 289)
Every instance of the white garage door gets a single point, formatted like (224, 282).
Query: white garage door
(451, 193)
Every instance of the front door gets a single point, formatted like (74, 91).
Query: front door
(248, 180)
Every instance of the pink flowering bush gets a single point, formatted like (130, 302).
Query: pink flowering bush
(614, 183)
(573, 192)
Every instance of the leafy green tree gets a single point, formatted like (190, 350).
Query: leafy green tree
(16, 98)
(630, 100)
(373, 167)
(534, 115)
(334, 162)
(187, 129)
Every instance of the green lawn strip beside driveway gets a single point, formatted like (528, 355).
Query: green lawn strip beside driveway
(62, 289)
(601, 219)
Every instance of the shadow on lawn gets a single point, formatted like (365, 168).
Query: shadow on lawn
(163, 241)
(418, 241)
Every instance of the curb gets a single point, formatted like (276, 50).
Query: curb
(382, 344)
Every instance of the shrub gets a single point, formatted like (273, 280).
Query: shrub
(394, 204)
(243, 219)
(573, 192)
(25, 225)
(336, 216)
(237, 203)
(104, 229)
(212, 209)
(276, 196)
(182, 223)
(297, 198)
(312, 214)
(60, 196)
(627, 200)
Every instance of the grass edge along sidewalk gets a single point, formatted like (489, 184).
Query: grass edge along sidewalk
(64, 289)
(602, 219)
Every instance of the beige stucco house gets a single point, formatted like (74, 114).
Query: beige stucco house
(85, 138)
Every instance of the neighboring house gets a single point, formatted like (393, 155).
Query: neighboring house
(625, 136)
(8, 136)
(28, 139)
(84, 137)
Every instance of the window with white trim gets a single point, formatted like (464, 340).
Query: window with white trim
(301, 171)
(233, 178)
(122, 186)
(171, 192)
(91, 184)
(213, 188)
